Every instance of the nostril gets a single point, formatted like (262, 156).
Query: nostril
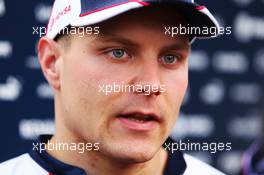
(150, 92)
(157, 93)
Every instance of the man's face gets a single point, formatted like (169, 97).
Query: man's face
(130, 50)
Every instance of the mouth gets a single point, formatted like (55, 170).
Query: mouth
(139, 121)
(140, 117)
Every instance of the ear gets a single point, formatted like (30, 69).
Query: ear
(48, 54)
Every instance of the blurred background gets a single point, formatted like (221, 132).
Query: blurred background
(223, 102)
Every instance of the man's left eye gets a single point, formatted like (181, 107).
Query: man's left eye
(170, 59)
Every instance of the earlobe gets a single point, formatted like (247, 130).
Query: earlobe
(48, 55)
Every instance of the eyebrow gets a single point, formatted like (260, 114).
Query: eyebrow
(111, 38)
(178, 46)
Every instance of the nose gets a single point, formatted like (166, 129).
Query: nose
(148, 78)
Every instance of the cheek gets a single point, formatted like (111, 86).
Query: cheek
(82, 81)
(86, 83)
(79, 93)
(175, 90)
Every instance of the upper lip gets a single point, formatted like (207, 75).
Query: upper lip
(142, 115)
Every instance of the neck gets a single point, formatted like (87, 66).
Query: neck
(93, 162)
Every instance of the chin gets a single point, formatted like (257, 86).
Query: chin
(133, 153)
(135, 157)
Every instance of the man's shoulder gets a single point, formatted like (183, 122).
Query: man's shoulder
(21, 165)
(9, 166)
(194, 166)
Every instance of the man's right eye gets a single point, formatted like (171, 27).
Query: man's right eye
(117, 54)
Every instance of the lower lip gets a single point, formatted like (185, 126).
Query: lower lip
(138, 126)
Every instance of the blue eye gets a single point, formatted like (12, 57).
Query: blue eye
(170, 59)
(118, 53)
